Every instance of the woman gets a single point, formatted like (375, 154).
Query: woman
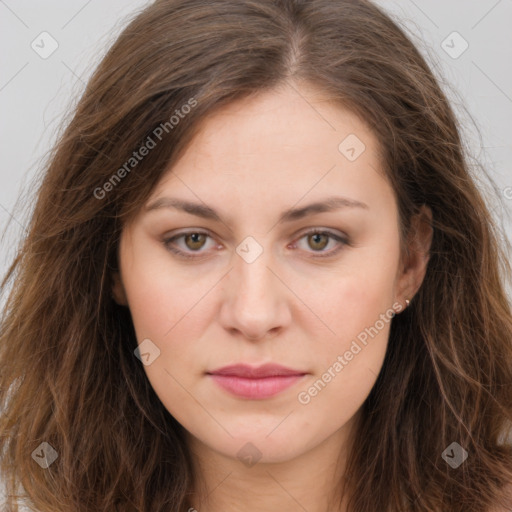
(259, 276)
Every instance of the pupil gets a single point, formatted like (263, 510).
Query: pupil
(316, 236)
(195, 239)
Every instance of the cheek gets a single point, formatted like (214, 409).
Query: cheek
(357, 305)
(356, 297)
(348, 363)
(360, 317)
(152, 308)
(160, 295)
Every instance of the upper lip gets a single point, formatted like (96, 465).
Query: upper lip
(266, 370)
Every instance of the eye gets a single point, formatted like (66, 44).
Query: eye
(194, 241)
(318, 240)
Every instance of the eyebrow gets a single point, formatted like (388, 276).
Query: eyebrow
(201, 210)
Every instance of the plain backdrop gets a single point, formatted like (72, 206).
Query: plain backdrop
(467, 43)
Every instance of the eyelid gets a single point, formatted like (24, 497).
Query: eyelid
(187, 255)
(340, 237)
(323, 231)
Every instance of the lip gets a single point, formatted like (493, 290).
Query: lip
(255, 383)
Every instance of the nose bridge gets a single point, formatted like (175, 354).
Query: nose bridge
(254, 281)
(254, 300)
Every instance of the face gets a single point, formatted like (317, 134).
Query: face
(229, 264)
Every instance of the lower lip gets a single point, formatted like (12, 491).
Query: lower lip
(255, 388)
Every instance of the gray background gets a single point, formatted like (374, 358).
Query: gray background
(36, 93)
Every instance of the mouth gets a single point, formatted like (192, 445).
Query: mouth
(255, 383)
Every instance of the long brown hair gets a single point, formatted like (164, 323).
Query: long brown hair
(69, 376)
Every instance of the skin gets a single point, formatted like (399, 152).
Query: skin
(251, 161)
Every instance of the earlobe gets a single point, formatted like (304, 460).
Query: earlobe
(418, 254)
(118, 291)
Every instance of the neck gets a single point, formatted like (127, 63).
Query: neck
(309, 481)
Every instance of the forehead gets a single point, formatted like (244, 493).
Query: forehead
(289, 122)
(277, 147)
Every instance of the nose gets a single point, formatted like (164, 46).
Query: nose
(255, 305)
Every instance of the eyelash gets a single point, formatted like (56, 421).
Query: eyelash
(340, 239)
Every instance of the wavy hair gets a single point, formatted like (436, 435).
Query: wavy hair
(68, 372)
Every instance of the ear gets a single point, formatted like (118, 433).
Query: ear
(118, 291)
(416, 257)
